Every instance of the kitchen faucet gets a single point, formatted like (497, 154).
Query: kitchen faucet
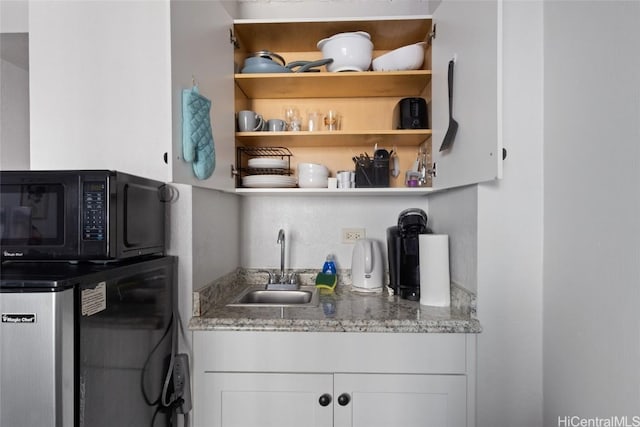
(282, 284)
(281, 242)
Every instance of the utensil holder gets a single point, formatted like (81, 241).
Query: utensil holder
(364, 174)
(372, 173)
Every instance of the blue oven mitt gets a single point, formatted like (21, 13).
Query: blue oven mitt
(197, 136)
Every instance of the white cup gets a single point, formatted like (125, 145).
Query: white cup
(346, 179)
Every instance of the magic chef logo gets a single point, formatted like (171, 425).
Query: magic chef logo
(12, 254)
(18, 318)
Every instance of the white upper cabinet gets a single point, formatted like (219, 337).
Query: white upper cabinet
(471, 33)
(106, 80)
(99, 86)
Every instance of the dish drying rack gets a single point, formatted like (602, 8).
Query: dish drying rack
(243, 154)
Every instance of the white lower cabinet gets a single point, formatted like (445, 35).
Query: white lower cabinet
(340, 400)
(344, 380)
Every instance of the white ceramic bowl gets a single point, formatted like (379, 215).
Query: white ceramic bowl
(312, 175)
(350, 51)
(312, 168)
(408, 57)
(313, 181)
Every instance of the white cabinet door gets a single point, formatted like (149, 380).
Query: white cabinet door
(265, 400)
(106, 80)
(471, 32)
(201, 51)
(100, 81)
(382, 400)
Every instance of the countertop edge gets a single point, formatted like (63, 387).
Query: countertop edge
(471, 326)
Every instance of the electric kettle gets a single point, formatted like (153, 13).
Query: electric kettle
(367, 266)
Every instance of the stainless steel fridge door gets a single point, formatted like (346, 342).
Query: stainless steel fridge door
(37, 359)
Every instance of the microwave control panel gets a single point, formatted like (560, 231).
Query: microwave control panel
(94, 211)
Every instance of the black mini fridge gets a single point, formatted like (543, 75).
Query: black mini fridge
(86, 345)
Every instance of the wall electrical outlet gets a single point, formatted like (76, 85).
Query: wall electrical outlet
(350, 235)
(182, 382)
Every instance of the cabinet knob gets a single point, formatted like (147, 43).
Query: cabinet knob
(344, 399)
(325, 399)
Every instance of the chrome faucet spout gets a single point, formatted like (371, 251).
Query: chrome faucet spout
(281, 242)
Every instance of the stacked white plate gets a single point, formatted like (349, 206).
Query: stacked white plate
(269, 181)
(267, 163)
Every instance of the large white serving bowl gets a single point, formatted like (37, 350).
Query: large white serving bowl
(408, 57)
(350, 51)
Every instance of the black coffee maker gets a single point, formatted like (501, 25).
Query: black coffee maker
(402, 251)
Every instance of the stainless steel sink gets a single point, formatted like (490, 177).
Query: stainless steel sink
(305, 296)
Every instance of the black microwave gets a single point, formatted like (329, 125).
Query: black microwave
(82, 215)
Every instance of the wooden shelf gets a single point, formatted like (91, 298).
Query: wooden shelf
(402, 138)
(303, 34)
(350, 192)
(333, 85)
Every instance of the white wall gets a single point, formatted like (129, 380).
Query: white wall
(216, 227)
(455, 213)
(204, 226)
(313, 227)
(14, 81)
(591, 209)
(179, 224)
(510, 239)
(14, 115)
(14, 16)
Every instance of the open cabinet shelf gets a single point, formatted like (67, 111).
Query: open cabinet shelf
(368, 100)
(400, 138)
(349, 192)
(365, 84)
(302, 35)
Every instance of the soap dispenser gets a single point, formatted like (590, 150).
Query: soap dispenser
(329, 266)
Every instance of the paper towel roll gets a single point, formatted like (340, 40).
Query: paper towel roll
(434, 270)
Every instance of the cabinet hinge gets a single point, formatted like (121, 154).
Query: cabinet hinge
(234, 171)
(432, 172)
(432, 35)
(233, 39)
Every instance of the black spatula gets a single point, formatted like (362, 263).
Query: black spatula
(447, 142)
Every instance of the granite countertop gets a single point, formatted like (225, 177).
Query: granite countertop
(343, 311)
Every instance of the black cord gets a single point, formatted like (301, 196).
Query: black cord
(174, 350)
(146, 364)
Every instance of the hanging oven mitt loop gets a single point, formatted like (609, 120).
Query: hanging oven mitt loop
(197, 136)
